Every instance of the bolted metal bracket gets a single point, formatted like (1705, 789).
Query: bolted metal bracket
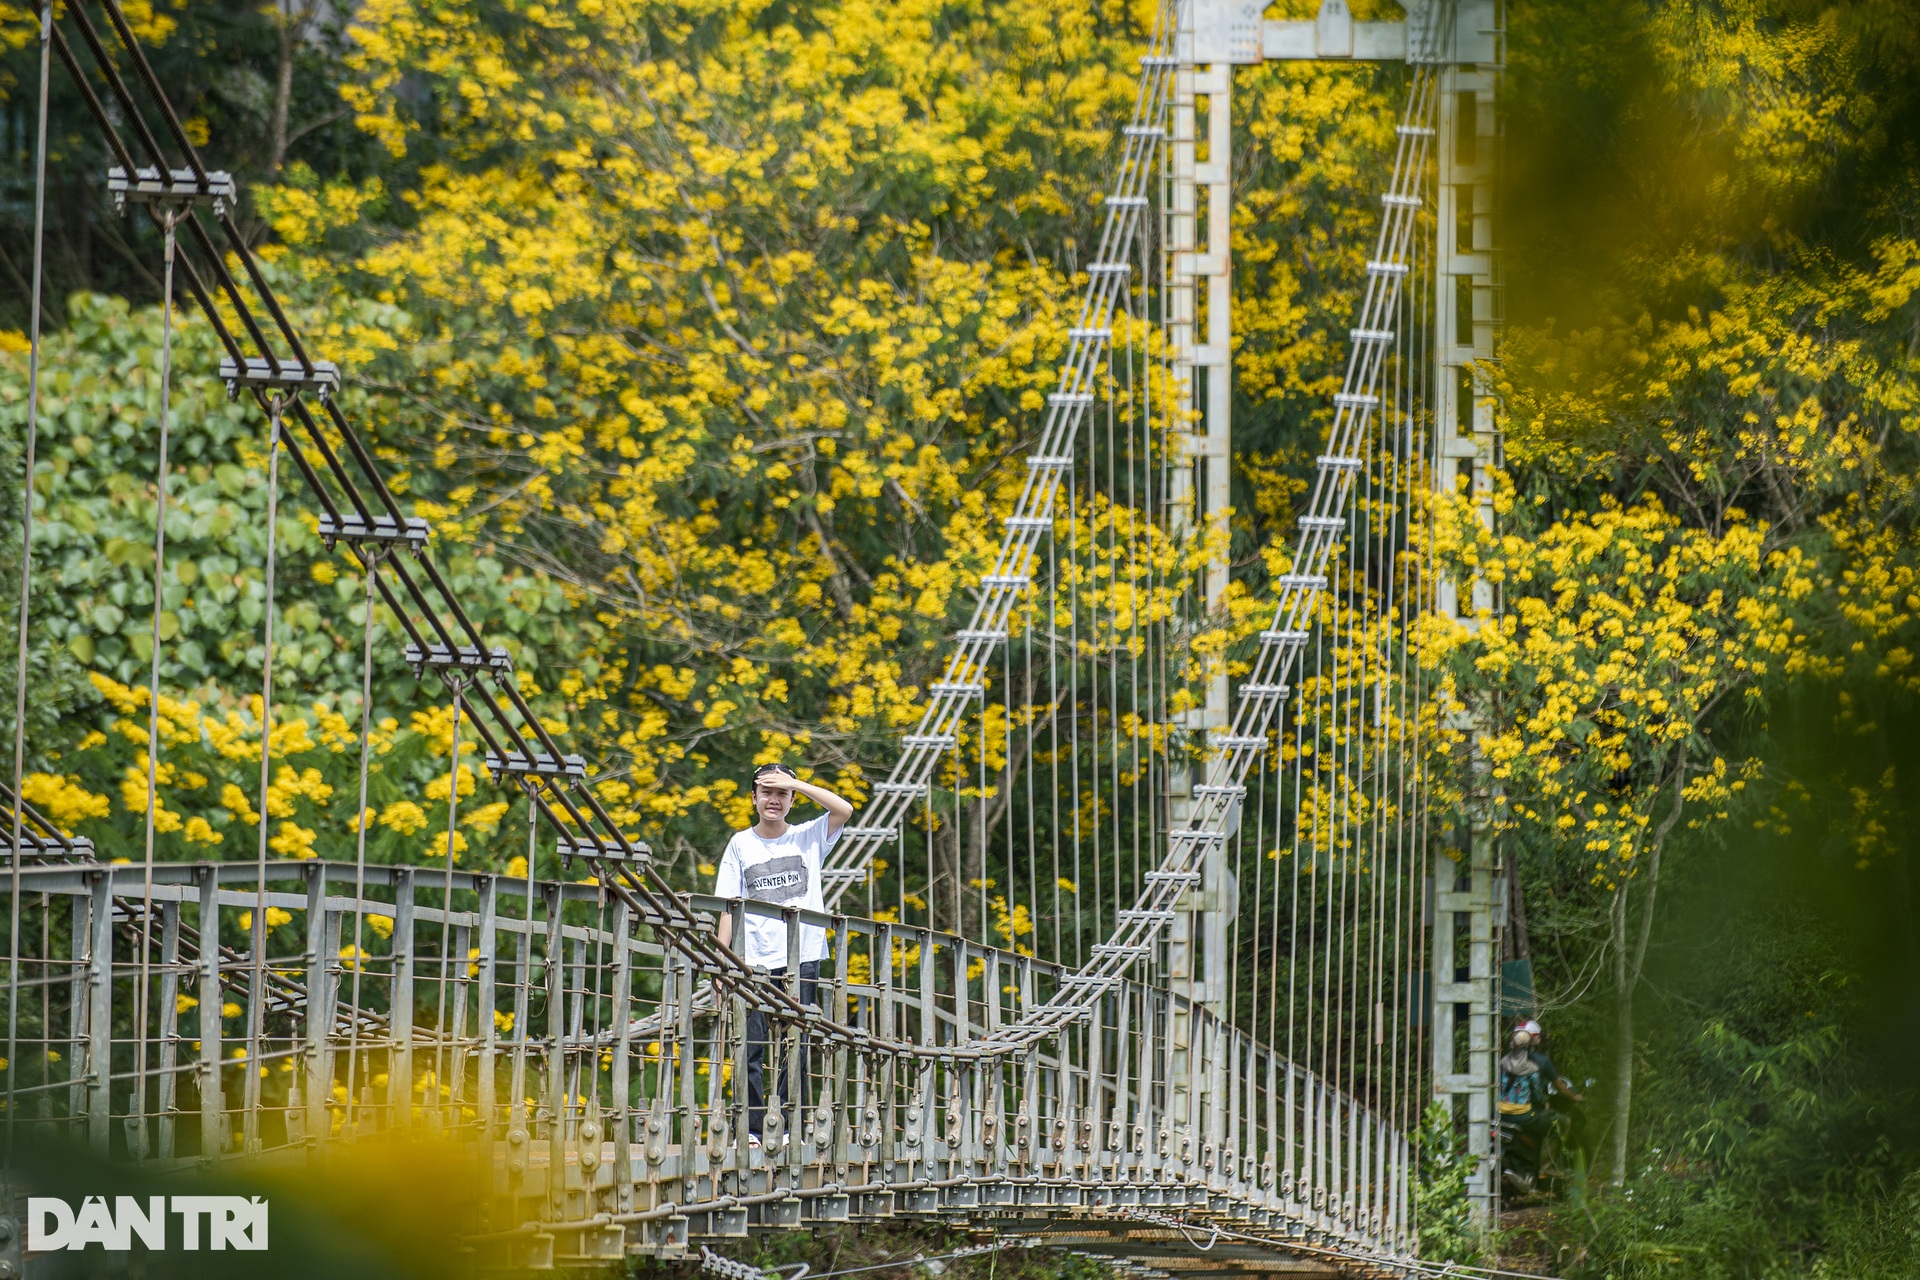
(323, 379)
(175, 187)
(63, 846)
(353, 528)
(569, 847)
(464, 657)
(538, 765)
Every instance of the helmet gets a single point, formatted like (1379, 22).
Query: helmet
(1526, 1033)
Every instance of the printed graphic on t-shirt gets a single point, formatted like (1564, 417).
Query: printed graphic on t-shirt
(780, 879)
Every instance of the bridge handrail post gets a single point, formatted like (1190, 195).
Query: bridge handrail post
(211, 1104)
(620, 1076)
(319, 1022)
(169, 1081)
(94, 1068)
(737, 1110)
(400, 1025)
(1029, 1112)
(839, 1090)
(554, 1089)
(688, 1117)
(487, 939)
(929, 1077)
(880, 952)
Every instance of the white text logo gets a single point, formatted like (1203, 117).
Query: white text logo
(232, 1222)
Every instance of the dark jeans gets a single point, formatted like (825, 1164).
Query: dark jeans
(757, 1052)
(1536, 1127)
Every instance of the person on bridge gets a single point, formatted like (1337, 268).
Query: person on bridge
(776, 862)
(1529, 1083)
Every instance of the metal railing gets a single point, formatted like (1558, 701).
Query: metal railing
(544, 1025)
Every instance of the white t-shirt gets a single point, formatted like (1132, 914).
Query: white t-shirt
(786, 871)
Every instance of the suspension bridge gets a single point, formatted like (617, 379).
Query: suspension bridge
(1213, 1058)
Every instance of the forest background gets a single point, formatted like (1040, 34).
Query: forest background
(709, 334)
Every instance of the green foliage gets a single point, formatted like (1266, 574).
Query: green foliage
(53, 678)
(257, 87)
(1875, 1237)
(1441, 1209)
(1764, 1133)
(94, 591)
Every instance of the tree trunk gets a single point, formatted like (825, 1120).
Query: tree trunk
(1623, 1036)
(287, 23)
(1627, 969)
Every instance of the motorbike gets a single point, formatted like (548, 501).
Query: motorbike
(1530, 1145)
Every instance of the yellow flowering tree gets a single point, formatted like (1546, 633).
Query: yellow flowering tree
(1623, 636)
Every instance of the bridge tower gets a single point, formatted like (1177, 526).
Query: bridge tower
(1466, 40)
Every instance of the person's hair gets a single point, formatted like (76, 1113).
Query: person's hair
(764, 770)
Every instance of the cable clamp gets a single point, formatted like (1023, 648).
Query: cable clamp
(31, 843)
(1242, 742)
(929, 741)
(956, 689)
(354, 528)
(622, 848)
(323, 379)
(464, 657)
(176, 186)
(537, 765)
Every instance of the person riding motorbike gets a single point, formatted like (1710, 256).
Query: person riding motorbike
(1530, 1083)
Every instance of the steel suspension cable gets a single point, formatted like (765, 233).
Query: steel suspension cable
(24, 617)
(457, 684)
(363, 816)
(256, 996)
(161, 479)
